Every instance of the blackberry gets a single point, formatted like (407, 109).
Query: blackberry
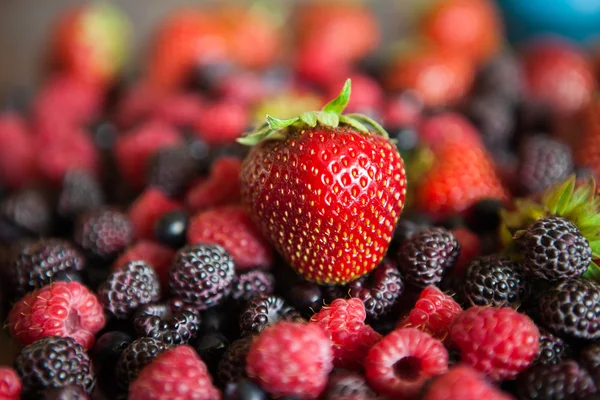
(54, 362)
(171, 228)
(494, 118)
(543, 162)
(494, 281)
(34, 264)
(262, 311)
(158, 321)
(80, 192)
(250, 283)
(201, 275)
(136, 356)
(305, 296)
(27, 212)
(554, 249)
(232, 367)
(210, 348)
(66, 393)
(406, 227)
(423, 258)
(245, 389)
(590, 360)
(171, 169)
(103, 233)
(572, 309)
(552, 349)
(344, 385)
(108, 349)
(379, 290)
(501, 76)
(484, 216)
(565, 380)
(128, 288)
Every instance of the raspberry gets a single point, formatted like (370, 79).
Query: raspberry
(344, 323)
(222, 122)
(552, 349)
(263, 311)
(128, 288)
(80, 192)
(136, 356)
(400, 364)
(464, 383)
(157, 256)
(424, 257)
(379, 290)
(54, 362)
(59, 309)
(26, 212)
(291, 359)
(447, 127)
(134, 150)
(222, 187)
(10, 384)
(179, 109)
(232, 366)
(565, 380)
(251, 283)
(433, 313)
(232, 228)
(494, 281)
(402, 110)
(158, 321)
(36, 264)
(201, 275)
(136, 104)
(498, 342)
(143, 213)
(103, 233)
(572, 309)
(16, 148)
(347, 385)
(172, 169)
(554, 249)
(176, 373)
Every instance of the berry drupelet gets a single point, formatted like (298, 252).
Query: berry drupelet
(251, 283)
(589, 358)
(158, 321)
(80, 192)
(262, 311)
(552, 349)
(379, 290)
(343, 385)
(565, 380)
(136, 356)
(103, 233)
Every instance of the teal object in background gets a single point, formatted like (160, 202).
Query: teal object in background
(578, 20)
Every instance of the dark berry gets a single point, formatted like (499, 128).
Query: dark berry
(27, 212)
(54, 362)
(34, 264)
(501, 76)
(406, 137)
(406, 227)
(136, 356)
(128, 288)
(379, 290)
(232, 366)
(218, 319)
(452, 222)
(103, 233)
(543, 161)
(565, 380)
(484, 216)
(589, 359)
(211, 347)
(262, 311)
(332, 292)
(158, 321)
(104, 134)
(244, 390)
(66, 393)
(552, 349)
(251, 283)
(201, 275)
(80, 192)
(423, 258)
(344, 385)
(494, 117)
(494, 281)
(554, 249)
(171, 228)
(172, 169)
(572, 309)
(305, 296)
(108, 349)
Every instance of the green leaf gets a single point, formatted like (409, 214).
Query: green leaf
(338, 104)
(353, 123)
(309, 118)
(553, 197)
(328, 118)
(595, 246)
(593, 272)
(364, 119)
(564, 199)
(277, 124)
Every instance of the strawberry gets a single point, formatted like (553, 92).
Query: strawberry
(91, 42)
(325, 190)
(442, 128)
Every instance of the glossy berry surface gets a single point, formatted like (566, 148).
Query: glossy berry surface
(170, 229)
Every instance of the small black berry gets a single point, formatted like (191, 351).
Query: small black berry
(171, 228)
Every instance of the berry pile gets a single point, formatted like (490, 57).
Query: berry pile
(425, 227)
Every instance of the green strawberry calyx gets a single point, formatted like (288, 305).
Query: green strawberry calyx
(329, 116)
(577, 203)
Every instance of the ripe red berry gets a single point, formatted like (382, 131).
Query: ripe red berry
(10, 384)
(179, 109)
(464, 383)
(470, 247)
(438, 130)
(158, 256)
(498, 342)
(222, 123)
(66, 309)
(147, 209)
(222, 187)
(16, 149)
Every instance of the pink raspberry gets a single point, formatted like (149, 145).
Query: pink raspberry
(177, 373)
(65, 309)
(158, 256)
(143, 213)
(400, 364)
(223, 122)
(433, 313)
(180, 109)
(291, 359)
(464, 383)
(10, 384)
(448, 127)
(500, 342)
(344, 322)
(18, 164)
(221, 188)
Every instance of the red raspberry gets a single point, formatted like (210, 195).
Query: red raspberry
(498, 342)
(433, 313)
(222, 186)
(65, 309)
(222, 122)
(137, 103)
(470, 247)
(367, 95)
(464, 383)
(245, 88)
(147, 209)
(447, 127)
(133, 151)
(313, 65)
(176, 373)
(16, 149)
(232, 228)
(10, 384)
(181, 109)
(291, 359)
(400, 364)
(344, 322)
(157, 255)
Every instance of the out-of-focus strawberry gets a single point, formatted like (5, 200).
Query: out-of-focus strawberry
(469, 27)
(443, 128)
(91, 42)
(313, 65)
(17, 152)
(402, 110)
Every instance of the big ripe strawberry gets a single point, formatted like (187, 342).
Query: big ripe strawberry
(325, 190)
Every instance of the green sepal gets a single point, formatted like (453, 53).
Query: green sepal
(338, 105)
(328, 118)
(277, 124)
(593, 272)
(309, 118)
